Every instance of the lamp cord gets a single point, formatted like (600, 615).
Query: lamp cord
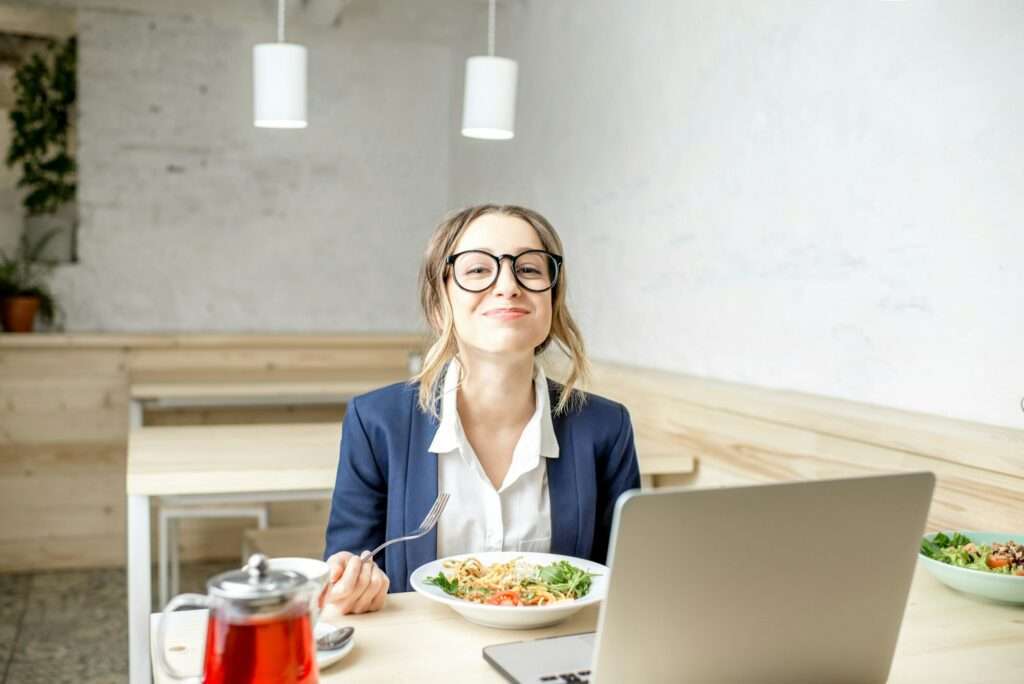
(280, 21)
(490, 30)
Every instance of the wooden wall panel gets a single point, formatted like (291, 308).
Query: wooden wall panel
(211, 539)
(244, 415)
(741, 435)
(144, 361)
(54, 459)
(297, 513)
(971, 444)
(52, 495)
(64, 423)
(50, 551)
(53, 363)
(221, 539)
(61, 396)
(64, 428)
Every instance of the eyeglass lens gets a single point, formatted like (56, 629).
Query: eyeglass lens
(477, 271)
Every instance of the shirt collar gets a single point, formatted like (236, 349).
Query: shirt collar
(449, 433)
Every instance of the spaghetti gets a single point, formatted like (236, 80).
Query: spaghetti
(512, 583)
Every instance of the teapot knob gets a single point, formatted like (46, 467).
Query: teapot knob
(257, 567)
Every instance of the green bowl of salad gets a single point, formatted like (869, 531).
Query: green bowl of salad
(988, 564)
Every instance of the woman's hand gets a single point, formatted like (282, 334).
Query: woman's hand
(357, 586)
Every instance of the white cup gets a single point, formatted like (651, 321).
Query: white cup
(316, 571)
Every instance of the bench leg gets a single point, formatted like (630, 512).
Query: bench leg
(262, 523)
(173, 528)
(162, 556)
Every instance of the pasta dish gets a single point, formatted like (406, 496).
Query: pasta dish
(513, 583)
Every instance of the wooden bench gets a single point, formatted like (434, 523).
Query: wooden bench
(64, 419)
(741, 434)
(305, 541)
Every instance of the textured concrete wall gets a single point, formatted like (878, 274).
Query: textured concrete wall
(817, 196)
(11, 211)
(194, 220)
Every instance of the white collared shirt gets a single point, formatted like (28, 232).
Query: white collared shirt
(517, 515)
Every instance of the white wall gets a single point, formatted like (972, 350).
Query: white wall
(817, 196)
(193, 220)
(11, 210)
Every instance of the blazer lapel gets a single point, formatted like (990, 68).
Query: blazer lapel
(563, 488)
(420, 490)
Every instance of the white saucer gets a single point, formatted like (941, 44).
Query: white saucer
(328, 658)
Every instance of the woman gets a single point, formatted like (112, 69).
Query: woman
(531, 465)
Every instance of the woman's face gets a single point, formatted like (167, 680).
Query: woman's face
(506, 317)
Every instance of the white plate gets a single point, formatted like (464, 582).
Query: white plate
(512, 617)
(328, 658)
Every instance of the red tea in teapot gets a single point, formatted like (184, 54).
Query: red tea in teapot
(278, 651)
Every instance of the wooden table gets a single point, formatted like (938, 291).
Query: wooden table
(224, 463)
(946, 637)
(190, 464)
(236, 463)
(222, 387)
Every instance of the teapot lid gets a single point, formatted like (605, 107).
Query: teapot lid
(256, 581)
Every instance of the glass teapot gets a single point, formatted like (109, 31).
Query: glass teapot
(260, 628)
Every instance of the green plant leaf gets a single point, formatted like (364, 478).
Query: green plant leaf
(45, 92)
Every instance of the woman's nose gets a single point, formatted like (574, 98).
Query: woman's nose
(506, 283)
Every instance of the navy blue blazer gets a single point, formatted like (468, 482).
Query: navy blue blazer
(387, 480)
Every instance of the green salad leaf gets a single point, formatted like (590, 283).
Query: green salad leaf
(449, 586)
(565, 577)
(961, 552)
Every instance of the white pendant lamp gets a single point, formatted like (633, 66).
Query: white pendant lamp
(279, 81)
(489, 106)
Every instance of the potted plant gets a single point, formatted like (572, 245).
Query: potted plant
(41, 142)
(23, 289)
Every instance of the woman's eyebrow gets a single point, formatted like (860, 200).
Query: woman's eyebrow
(516, 250)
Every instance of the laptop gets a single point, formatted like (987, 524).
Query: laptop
(792, 582)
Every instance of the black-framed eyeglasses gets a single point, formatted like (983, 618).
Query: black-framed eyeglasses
(535, 270)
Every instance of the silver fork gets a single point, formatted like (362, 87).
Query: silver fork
(428, 524)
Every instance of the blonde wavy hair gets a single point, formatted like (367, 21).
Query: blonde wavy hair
(438, 311)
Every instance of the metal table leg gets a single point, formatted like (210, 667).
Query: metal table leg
(139, 597)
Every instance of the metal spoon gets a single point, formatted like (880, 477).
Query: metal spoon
(334, 639)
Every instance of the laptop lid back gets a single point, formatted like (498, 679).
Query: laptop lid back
(793, 582)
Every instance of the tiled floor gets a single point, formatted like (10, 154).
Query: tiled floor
(72, 625)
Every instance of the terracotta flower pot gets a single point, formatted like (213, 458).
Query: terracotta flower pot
(19, 313)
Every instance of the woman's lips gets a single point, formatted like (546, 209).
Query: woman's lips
(506, 314)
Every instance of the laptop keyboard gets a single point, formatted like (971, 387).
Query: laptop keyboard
(581, 677)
